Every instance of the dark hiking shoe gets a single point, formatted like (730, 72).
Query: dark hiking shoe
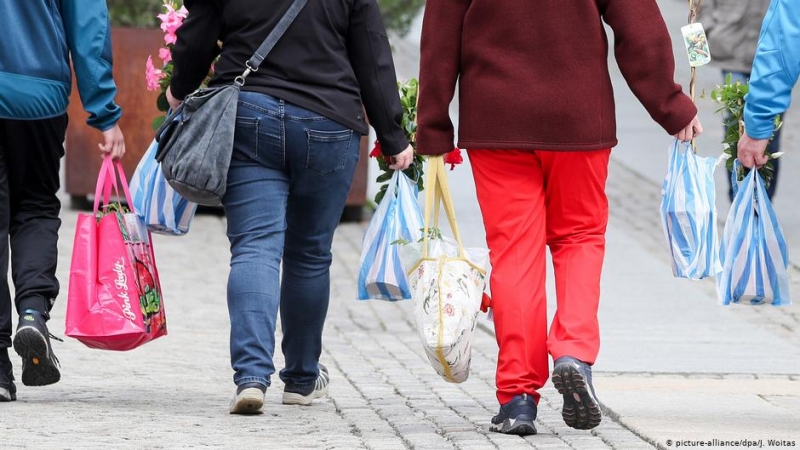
(32, 343)
(293, 395)
(249, 399)
(516, 417)
(573, 379)
(8, 391)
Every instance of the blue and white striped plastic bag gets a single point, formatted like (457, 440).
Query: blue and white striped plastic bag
(754, 250)
(398, 216)
(689, 215)
(162, 209)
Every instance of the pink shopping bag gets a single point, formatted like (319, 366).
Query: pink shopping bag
(114, 300)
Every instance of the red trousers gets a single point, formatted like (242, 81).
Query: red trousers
(529, 200)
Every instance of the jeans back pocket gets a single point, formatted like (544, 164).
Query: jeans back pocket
(245, 139)
(328, 150)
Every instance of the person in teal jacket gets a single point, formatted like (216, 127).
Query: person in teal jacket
(42, 42)
(776, 69)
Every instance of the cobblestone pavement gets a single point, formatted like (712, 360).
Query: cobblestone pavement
(173, 393)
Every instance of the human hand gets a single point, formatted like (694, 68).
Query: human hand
(173, 102)
(114, 143)
(694, 129)
(402, 160)
(750, 152)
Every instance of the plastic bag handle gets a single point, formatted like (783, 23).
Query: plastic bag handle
(107, 180)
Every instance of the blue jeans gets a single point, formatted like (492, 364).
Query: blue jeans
(287, 185)
(774, 146)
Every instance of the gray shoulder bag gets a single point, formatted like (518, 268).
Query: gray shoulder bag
(195, 142)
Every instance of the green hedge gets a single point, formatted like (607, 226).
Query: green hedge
(135, 13)
(397, 14)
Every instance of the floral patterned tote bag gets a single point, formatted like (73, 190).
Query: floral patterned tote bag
(447, 283)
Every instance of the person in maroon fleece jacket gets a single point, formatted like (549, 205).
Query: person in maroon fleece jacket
(537, 118)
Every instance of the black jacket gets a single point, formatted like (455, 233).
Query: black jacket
(334, 57)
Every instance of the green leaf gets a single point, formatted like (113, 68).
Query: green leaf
(384, 177)
(158, 121)
(379, 196)
(162, 103)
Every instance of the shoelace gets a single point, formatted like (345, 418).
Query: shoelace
(53, 355)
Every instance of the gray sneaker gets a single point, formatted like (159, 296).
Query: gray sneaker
(573, 380)
(249, 399)
(293, 395)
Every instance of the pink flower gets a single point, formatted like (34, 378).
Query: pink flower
(449, 310)
(170, 38)
(165, 54)
(153, 75)
(171, 21)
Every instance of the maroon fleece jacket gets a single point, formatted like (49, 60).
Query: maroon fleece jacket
(534, 74)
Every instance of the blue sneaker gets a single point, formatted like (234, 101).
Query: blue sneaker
(516, 416)
(8, 391)
(32, 343)
(573, 379)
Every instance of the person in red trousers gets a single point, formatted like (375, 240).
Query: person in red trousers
(537, 119)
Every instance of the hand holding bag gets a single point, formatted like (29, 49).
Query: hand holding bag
(447, 283)
(115, 300)
(195, 142)
(689, 214)
(754, 251)
(398, 216)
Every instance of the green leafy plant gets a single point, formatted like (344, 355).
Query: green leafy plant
(409, 91)
(134, 13)
(399, 14)
(731, 96)
(408, 99)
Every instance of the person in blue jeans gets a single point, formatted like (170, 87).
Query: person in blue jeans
(733, 27)
(298, 128)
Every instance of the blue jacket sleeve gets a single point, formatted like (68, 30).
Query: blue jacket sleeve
(88, 33)
(775, 69)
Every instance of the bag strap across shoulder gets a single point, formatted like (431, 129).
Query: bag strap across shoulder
(272, 38)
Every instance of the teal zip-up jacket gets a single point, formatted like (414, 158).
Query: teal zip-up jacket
(776, 68)
(38, 37)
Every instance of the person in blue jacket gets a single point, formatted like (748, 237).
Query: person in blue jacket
(42, 42)
(776, 69)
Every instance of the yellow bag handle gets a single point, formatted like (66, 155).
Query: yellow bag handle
(437, 193)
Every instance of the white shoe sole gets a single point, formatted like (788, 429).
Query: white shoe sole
(291, 398)
(249, 401)
(6, 395)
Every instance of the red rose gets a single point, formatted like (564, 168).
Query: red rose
(453, 158)
(376, 151)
